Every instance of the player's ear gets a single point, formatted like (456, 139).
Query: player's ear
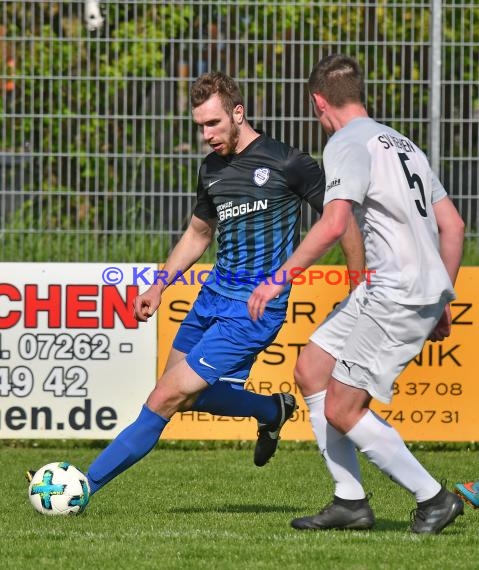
(238, 114)
(319, 102)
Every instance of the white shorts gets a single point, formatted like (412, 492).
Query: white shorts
(373, 339)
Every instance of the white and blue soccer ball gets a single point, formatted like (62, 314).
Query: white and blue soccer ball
(59, 489)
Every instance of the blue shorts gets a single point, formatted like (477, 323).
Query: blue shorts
(221, 340)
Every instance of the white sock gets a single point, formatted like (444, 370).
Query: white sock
(337, 450)
(383, 446)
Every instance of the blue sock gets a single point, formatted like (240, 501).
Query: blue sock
(226, 399)
(133, 443)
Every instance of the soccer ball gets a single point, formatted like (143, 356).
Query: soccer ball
(59, 489)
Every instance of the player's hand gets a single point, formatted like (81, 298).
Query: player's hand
(145, 305)
(443, 328)
(260, 297)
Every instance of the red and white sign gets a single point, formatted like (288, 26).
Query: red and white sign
(73, 360)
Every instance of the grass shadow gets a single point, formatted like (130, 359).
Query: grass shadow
(230, 508)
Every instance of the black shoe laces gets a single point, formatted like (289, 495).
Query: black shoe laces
(421, 512)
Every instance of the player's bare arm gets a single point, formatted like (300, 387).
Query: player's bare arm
(451, 235)
(451, 239)
(194, 242)
(322, 236)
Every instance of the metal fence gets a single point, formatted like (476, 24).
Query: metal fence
(98, 153)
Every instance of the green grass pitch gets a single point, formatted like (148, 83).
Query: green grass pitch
(209, 507)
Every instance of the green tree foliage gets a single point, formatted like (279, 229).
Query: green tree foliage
(85, 113)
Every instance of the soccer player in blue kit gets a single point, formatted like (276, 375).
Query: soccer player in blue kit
(250, 190)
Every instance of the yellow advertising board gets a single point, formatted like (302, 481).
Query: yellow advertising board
(436, 397)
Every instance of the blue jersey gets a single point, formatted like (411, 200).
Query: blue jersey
(255, 197)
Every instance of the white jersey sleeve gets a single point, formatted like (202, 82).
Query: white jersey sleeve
(392, 181)
(347, 167)
(438, 191)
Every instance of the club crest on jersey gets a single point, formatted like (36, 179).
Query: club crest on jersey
(261, 176)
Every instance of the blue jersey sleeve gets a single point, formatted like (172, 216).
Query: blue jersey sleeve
(306, 178)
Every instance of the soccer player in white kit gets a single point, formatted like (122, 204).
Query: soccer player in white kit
(413, 238)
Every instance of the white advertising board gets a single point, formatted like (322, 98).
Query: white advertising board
(73, 360)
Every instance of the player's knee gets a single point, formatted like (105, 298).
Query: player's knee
(301, 376)
(166, 399)
(309, 377)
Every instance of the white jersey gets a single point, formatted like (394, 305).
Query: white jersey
(391, 179)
